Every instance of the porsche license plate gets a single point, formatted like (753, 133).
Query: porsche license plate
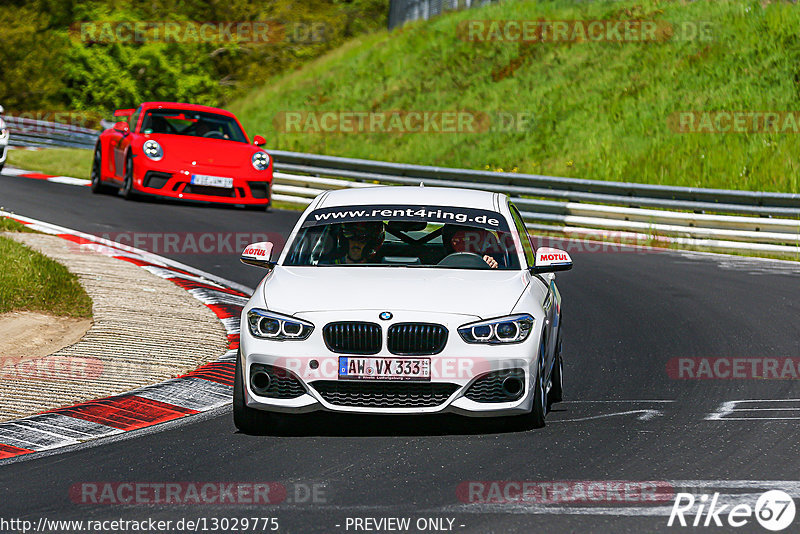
(212, 181)
(356, 368)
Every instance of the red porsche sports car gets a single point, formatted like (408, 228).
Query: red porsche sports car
(185, 152)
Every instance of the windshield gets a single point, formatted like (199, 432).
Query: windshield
(404, 236)
(194, 123)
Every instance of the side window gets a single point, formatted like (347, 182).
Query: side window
(135, 119)
(527, 248)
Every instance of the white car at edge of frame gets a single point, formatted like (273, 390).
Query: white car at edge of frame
(3, 140)
(402, 300)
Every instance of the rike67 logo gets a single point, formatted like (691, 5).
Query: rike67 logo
(774, 510)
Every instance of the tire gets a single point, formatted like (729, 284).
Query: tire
(556, 392)
(539, 409)
(248, 420)
(97, 164)
(2, 165)
(126, 190)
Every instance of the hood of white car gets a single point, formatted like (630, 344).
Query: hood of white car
(481, 293)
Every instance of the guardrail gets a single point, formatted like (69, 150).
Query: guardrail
(36, 133)
(765, 222)
(717, 219)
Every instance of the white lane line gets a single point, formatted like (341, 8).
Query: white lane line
(727, 408)
(69, 180)
(646, 415)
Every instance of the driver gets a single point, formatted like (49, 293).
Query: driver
(361, 242)
(201, 128)
(467, 239)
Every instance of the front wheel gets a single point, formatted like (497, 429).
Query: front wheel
(539, 410)
(246, 419)
(556, 392)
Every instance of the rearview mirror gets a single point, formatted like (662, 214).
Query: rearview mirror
(122, 127)
(258, 255)
(550, 260)
(259, 141)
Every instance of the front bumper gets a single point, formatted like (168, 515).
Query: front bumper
(249, 188)
(454, 372)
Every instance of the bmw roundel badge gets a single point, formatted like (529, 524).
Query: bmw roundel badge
(385, 316)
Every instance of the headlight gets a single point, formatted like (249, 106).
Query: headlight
(152, 150)
(3, 133)
(260, 161)
(268, 325)
(511, 329)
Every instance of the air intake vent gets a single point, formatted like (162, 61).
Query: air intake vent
(377, 394)
(353, 338)
(414, 339)
(498, 386)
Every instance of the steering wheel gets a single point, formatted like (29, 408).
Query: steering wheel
(215, 134)
(465, 260)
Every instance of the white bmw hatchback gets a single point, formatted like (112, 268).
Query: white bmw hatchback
(402, 300)
(3, 141)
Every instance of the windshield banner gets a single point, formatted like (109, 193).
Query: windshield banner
(490, 220)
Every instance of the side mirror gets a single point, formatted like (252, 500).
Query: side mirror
(259, 141)
(258, 255)
(550, 260)
(122, 127)
(124, 112)
(2, 109)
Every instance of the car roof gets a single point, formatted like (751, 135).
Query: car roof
(187, 107)
(412, 196)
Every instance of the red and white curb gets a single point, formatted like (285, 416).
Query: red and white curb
(207, 387)
(69, 180)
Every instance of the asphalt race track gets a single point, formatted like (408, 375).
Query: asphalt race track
(627, 314)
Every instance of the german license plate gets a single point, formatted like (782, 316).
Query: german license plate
(354, 368)
(212, 181)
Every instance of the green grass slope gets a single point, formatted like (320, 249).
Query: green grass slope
(600, 109)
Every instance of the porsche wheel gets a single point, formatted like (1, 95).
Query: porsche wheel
(248, 420)
(126, 190)
(97, 165)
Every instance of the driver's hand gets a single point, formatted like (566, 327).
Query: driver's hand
(490, 261)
